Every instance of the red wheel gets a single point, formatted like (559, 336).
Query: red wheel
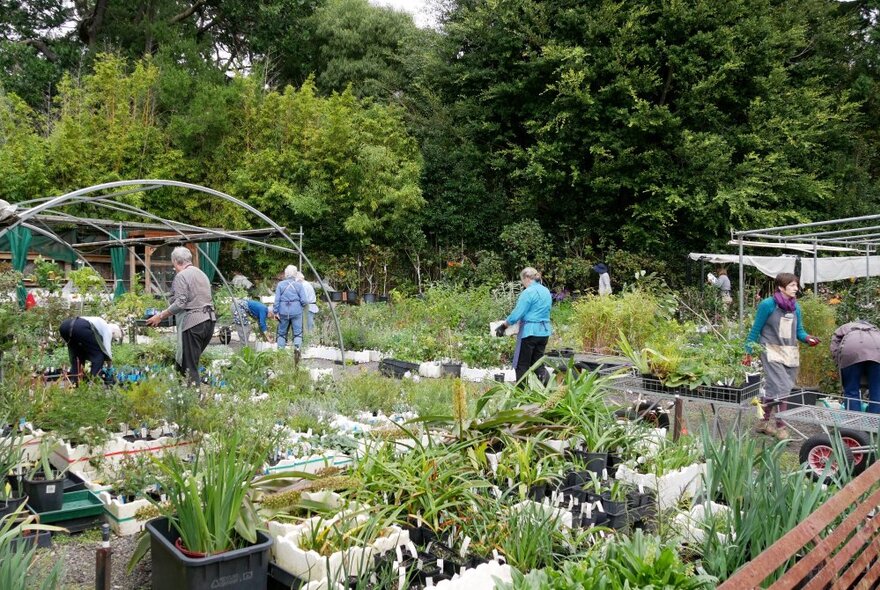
(817, 453)
(856, 439)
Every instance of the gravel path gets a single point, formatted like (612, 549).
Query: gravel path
(76, 553)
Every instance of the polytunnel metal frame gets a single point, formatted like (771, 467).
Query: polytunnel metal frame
(861, 238)
(86, 195)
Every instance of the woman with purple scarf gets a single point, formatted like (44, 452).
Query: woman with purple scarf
(778, 327)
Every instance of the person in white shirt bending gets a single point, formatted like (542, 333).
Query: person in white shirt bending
(88, 339)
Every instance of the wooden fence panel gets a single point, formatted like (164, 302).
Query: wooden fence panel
(848, 556)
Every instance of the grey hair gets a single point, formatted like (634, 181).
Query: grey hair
(300, 276)
(290, 272)
(181, 255)
(529, 273)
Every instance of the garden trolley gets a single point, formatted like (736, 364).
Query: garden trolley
(854, 428)
(644, 387)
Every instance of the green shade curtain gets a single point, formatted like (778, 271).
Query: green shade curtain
(209, 254)
(117, 261)
(19, 243)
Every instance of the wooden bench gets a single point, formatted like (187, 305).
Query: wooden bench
(819, 554)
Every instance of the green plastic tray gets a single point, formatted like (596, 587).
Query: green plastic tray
(76, 505)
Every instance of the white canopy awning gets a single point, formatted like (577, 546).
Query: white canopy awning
(836, 268)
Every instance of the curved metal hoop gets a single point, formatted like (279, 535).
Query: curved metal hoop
(88, 195)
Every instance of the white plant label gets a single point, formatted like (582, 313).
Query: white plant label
(50, 489)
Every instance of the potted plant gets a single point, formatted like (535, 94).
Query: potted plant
(44, 485)
(208, 534)
(11, 453)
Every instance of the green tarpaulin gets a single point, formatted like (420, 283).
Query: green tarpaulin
(209, 254)
(117, 261)
(47, 247)
(19, 243)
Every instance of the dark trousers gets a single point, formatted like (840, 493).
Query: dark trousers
(851, 379)
(82, 347)
(195, 340)
(531, 348)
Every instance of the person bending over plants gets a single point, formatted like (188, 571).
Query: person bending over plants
(778, 327)
(88, 339)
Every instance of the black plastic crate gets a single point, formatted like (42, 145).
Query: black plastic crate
(281, 579)
(651, 383)
(397, 369)
(725, 394)
(239, 569)
(803, 397)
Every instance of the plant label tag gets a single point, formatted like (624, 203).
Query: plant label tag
(412, 549)
(464, 545)
(589, 511)
(50, 489)
(642, 489)
(429, 582)
(604, 474)
(398, 553)
(440, 564)
(599, 506)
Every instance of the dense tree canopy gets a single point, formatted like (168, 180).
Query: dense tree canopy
(578, 126)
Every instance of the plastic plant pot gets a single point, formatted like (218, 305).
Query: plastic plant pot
(44, 495)
(238, 569)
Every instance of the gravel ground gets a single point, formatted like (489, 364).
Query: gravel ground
(76, 553)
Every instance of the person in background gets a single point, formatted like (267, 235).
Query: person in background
(532, 313)
(288, 309)
(193, 309)
(604, 279)
(89, 339)
(855, 347)
(311, 302)
(778, 327)
(258, 311)
(722, 283)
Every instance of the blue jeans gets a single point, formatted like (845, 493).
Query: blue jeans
(851, 378)
(294, 322)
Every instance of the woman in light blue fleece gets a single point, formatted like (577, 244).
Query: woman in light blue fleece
(532, 313)
(778, 327)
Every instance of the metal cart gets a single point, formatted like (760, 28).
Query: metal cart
(645, 388)
(817, 451)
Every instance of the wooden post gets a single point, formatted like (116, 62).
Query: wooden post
(148, 253)
(677, 419)
(132, 268)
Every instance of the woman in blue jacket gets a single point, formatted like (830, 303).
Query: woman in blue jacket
(532, 313)
(778, 327)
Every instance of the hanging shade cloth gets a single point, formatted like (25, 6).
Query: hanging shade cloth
(19, 243)
(209, 253)
(832, 268)
(117, 261)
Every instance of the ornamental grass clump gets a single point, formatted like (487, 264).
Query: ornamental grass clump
(208, 503)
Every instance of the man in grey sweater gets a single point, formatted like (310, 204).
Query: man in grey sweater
(193, 309)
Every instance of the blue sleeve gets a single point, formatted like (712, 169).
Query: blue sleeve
(765, 308)
(801, 332)
(522, 305)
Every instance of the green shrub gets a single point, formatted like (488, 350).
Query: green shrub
(599, 320)
(817, 366)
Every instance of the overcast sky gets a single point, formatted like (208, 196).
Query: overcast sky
(418, 8)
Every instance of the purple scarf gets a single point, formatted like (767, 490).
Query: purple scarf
(784, 303)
